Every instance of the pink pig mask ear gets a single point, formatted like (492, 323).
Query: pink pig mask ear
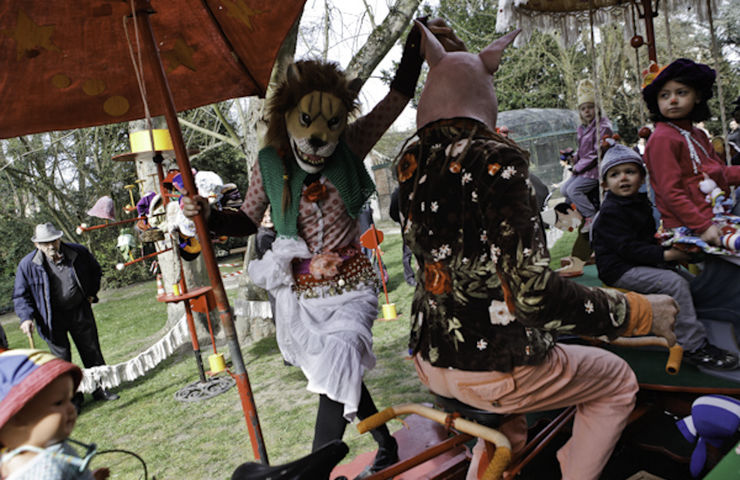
(491, 55)
(431, 49)
(458, 84)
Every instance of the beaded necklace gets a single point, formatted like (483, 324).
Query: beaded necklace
(691, 141)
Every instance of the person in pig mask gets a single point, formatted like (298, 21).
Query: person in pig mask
(487, 309)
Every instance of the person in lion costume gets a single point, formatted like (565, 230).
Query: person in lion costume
(311, 174)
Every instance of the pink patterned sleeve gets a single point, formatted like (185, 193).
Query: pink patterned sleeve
(365, 132)
(255, 201)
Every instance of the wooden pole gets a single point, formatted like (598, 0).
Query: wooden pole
(143, 11)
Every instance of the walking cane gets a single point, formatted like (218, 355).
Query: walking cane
(31, 343)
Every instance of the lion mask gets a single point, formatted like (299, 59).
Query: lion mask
(310, 110)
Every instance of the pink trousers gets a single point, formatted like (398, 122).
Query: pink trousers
(599, 383)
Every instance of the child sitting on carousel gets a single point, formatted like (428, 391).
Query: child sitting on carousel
(686, 176)
(37, 416)
(585, 168)
(628, 255)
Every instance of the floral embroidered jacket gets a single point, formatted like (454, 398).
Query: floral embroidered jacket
(486, 299)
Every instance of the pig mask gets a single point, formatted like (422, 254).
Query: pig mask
(459, 84)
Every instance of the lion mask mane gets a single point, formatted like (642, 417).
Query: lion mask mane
(302, 78)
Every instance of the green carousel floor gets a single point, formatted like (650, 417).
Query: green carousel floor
(653, 443)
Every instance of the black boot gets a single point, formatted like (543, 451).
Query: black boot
(102, 394)
(77, 400)
(387, 455)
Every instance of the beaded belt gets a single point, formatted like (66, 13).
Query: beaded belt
(355, 270)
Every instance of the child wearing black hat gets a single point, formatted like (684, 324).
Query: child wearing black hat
(678, 154)
(679, 157)
(628, 255)
(37, 416)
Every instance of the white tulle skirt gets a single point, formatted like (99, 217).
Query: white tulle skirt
(329, 337)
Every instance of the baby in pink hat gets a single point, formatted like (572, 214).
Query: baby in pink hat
(37, 416)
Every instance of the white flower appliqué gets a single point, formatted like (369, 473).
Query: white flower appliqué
(508, 172)
(499, 313)
(484, 236)
(589, 306)
(442, 252)
(466, 178)
(495, 252)
(456, 148)
(474, 196)
(434, 206)
(481, 344)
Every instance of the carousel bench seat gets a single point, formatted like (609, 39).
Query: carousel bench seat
(483, 417)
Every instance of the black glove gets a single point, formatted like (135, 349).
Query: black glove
(407, 74)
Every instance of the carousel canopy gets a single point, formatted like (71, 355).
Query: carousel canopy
(67, 64)
(570, 17)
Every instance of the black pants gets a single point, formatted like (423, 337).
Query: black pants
(330, 422)
(78, 323)
(3, 339)
(408, 270)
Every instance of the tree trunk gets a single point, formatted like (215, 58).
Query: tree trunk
(253, 317)
(382, 39)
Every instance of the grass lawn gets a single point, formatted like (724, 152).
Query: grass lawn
(208, 439)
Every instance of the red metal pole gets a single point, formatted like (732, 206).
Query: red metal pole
(136, 260)
(222, 303)
(82, 229)
(380, 262)
(647, 6)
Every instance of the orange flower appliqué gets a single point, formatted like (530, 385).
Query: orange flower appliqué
(455, 167)
(406, 167)
(493, 168)
(437, 278)
(650, 73)
(315, 192)
(325, 265)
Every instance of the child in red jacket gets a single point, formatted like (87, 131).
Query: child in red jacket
(679, 156)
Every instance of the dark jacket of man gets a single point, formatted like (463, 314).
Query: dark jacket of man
(31, 293)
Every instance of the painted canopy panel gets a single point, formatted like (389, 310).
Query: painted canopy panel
(66, 64)
(568, 5)
(568, 18)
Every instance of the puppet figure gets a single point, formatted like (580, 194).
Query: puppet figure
(715, 196)
(487, 310)
(311, 174)
(714, 419)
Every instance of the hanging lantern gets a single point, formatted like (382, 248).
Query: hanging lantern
(103, 208)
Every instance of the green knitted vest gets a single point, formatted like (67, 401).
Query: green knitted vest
(345, 171)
